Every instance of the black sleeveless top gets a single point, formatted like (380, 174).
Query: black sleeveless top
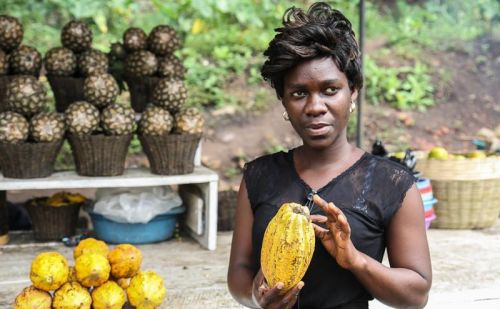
(369, 193)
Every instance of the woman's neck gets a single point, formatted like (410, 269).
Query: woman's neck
(336, 153)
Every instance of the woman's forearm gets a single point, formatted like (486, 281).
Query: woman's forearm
(397, 287)
(240, 280)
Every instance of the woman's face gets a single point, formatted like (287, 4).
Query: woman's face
(317, 98)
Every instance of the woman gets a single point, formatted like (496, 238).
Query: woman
(360, 204)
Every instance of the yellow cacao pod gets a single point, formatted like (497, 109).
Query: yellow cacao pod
(288, 246)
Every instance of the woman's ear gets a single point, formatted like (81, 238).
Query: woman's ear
(354, 95)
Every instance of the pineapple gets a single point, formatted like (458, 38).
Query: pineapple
(170, 94)
(11, 33)
(141, 63)
(47, 127)
(25, 60)
(163, 40)
(100, 90)
(117, 119)
(92, 62)
(26, 95)
(171, 67)
(134, 39)
(4, 63)
(117, 51)
(189, 121)
(13, 128)
(82, 118)
(60, 61)
(76, 36)
(155, 121)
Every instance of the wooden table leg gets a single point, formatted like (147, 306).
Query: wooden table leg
(4, 219)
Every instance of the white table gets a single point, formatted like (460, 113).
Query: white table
(205, 179)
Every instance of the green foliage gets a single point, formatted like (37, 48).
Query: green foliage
(405, 87)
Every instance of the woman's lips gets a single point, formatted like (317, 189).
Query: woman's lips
(317, 129)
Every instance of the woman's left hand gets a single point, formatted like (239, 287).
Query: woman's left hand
(336, 237)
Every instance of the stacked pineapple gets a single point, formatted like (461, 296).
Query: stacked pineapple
(24, 120)
(100, 278)
(68, 66)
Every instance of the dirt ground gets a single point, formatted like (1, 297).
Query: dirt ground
(466, 271)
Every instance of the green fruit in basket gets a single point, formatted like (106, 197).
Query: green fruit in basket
(60, 61)
(25, 60)
(438, 153)
(14, 128)
(170, 94)
(47, 127)
(82, 118)
(476, 154)
(189, 121)
(155, 121)
(100, 89)
(11, 33)
(26, 95)
(134, 39)
(76, 36)
(117, 119)
(163, 40)
(171, 67)
(4, 63)
(92, 62)
(141, 63)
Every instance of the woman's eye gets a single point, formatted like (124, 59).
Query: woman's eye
(330, 90)
(298, 94)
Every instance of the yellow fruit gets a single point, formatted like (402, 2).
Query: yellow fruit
(125, 261)
(49, 270)
(91, 245)
(72, 274)
(72, 296)
(33, 298)
(288, 246)
(438, 153)
(476, 154)
(400, 155)
(92, 269)
(65, 198)
(146, 290)
(108, 296)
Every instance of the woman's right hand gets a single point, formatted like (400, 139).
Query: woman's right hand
(270, 298)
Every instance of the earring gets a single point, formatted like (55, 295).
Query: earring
(352, 107)
(285, 116)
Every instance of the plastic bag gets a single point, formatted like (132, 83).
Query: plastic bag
(135, 205)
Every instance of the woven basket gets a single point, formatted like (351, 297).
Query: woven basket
(141, 91)
(66, 90)
(28, 160)
(4, 80)
(226, 210)
(466, 190)
(52, 223)
(464, 204)
(99, 155)
(171, 154)
(460, 169)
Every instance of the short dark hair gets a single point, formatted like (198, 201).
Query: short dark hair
(321, 32)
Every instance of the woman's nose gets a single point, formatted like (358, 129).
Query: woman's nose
(315, 106)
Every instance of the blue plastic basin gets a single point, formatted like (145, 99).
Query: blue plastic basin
(158, 229)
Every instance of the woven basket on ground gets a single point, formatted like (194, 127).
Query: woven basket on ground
(226, 210)
(466, 190)
(141, 91)
(4, 80)
(171, 154)
(52, 223)
(66, 90)
(28, 160)
(99, 155)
